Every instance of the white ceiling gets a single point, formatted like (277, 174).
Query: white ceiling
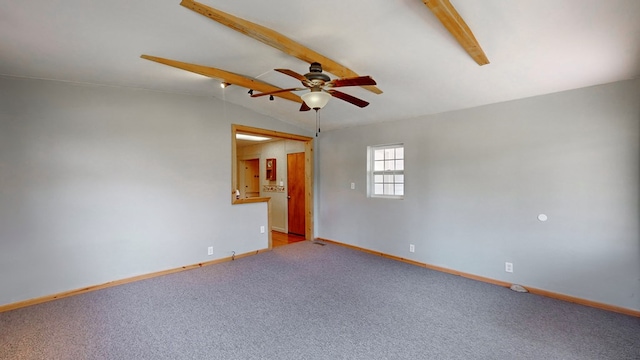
(535, 47)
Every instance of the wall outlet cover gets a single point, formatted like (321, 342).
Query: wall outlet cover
(508, 267)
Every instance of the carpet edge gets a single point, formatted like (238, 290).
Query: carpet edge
(541, 292)
(64, 294)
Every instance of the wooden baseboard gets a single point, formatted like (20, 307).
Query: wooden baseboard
(541, 292)
(83, 290)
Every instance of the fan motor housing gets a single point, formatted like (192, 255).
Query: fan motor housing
(317, 76)
(315, 73)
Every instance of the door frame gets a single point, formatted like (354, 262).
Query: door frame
(308, 173)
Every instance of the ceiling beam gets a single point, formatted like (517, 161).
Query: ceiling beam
(450, 18)
(274, 39)
(225, 76)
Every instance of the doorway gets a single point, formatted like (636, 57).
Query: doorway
(251, 178)
(305, 168)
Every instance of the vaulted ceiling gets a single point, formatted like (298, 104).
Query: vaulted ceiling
(534, 47)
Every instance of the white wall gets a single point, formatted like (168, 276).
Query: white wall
(477, 179)
(102, 183)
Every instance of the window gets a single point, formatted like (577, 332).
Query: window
(386, 171)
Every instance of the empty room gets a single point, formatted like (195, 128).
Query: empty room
(436, 179)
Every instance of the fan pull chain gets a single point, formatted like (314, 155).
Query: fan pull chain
(317, 122)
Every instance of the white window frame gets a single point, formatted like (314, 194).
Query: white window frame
(373, 175)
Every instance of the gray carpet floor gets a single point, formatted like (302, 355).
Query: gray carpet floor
(306, 301)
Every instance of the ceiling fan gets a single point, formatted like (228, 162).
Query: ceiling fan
(321, 88)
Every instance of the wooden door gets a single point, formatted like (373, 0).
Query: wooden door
(252, 178)
(295, 195)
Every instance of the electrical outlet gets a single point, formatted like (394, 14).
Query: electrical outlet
(353, 186)
(508, 267)
(412, 248)
(210, 250)
(261, 229)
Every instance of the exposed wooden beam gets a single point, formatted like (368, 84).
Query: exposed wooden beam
(225, 76)
(450, 18)
(274, 39)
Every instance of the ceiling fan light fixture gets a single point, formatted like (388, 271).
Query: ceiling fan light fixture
(316, 99)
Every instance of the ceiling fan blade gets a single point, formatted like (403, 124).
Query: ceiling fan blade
(226, 76)
(274, 39)
(276, 92)
(450, 18)
(354, 81)
(304, 107)
(348, 98)
(293, 74)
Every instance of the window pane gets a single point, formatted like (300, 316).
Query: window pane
(399, 188)
(388, 178)
(378, 155)
(400, 179)
(400, 153)
(378, 166)
(399, 164)
(377, 178)
(378, 189)
(389, 153)
(388, 189)
(389, 165)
